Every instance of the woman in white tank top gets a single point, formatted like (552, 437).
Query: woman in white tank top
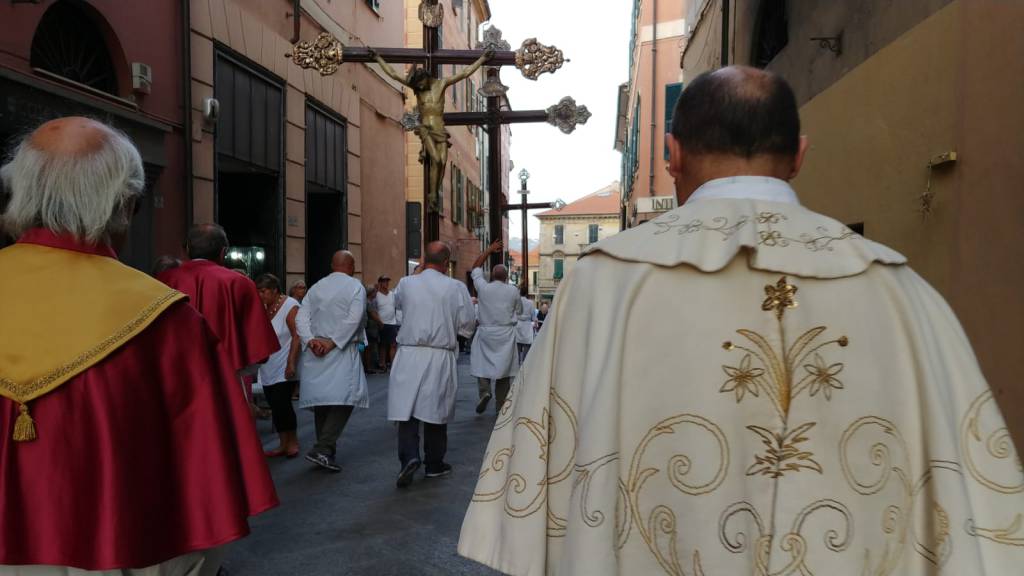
(277, 375)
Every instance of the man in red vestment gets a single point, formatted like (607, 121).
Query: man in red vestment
(125, 442)
(227, 299)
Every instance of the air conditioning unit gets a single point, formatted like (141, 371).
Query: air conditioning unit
(142, 78)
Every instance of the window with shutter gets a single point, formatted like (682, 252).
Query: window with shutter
(672, 93)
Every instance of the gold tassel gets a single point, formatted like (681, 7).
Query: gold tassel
(24, 426)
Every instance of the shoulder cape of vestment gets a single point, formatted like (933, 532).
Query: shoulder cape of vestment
(91, 305)
(779, 237)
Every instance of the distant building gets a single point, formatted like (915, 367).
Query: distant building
(916, 132)
(645, 106)
(566, 233)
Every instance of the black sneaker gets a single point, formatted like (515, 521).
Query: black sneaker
(444, 470)
(324, 461)
(406, 475)
(482, 404)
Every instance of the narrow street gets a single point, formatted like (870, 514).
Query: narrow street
(357, 522)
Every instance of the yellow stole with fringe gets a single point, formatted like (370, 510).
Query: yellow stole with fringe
(81, 308)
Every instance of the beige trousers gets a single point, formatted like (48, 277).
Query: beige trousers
(204, 563)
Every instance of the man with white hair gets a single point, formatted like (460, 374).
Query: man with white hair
(125, 442)
(494, 355)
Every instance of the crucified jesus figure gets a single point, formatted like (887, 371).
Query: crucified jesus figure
(430, 93)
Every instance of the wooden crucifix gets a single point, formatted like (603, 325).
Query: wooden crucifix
(326, 53)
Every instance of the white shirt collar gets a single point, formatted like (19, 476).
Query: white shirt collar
(747, 187)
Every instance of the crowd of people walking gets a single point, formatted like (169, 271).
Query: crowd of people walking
(742, 359)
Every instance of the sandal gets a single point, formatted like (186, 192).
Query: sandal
(274, 453)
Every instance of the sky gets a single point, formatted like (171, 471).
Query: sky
(596, 40)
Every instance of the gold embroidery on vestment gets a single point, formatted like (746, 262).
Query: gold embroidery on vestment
(764, 369)
(998, 450)
(793, 542)
(25, 429)
(821, 240)
(782, 453)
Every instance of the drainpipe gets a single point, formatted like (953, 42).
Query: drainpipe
(654, 93)
(296, 20)
(725, 32)
(186, 96)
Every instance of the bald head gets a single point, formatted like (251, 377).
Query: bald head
(73, 176)
(343, 261)
(437, 255)
(69, 137)
(207, 241)
(499, 273)
(737, 111)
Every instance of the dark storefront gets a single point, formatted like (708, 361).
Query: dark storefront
(76, 67)
(249, 143)
(326, 208)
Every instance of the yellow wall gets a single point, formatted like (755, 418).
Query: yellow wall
(575, 239)
(954, 82)
(872, 135)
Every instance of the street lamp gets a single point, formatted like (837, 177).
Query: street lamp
(524, 207)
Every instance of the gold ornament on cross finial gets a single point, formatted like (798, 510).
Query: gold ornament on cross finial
(534, 59)
(324, 54)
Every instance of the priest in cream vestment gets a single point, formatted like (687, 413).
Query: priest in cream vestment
(745, 387)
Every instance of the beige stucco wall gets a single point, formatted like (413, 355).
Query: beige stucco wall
(575, 240)
(260, 31)
(954, 82)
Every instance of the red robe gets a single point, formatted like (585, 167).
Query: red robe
(231, 305)
(147, 455)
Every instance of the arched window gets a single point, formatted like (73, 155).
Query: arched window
(771, 32)
(69, 44)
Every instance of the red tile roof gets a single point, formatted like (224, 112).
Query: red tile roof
(604, 201)
(517, 258)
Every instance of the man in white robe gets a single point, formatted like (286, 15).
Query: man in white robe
(525, 325)
(494, 355)
(330, 325)
(424, 379)
(744, 387)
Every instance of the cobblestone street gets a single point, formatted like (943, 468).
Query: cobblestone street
(357, 522)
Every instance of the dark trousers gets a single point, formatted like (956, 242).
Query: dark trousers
(501, 387)
(435, 443)
(330, 421)
(524, 349)
(279, 396)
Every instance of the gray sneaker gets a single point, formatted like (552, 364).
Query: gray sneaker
(482, 404)
(406, 475)
(324, 461)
